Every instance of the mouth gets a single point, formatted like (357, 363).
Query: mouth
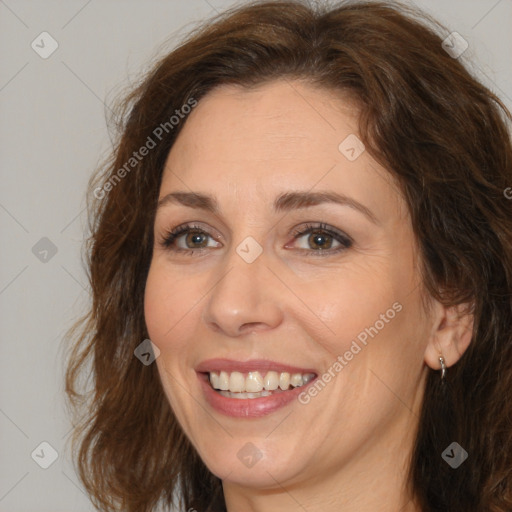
(255, 384)
(251, 388)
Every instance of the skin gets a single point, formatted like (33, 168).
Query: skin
(348, 448)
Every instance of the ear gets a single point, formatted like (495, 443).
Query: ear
(452, 330)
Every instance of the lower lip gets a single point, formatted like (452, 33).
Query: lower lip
(248, 407)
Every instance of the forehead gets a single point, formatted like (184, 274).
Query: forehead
(278, 135)
(277, 120)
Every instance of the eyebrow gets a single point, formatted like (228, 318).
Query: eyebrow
(283, 203)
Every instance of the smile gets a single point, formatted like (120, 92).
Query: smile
(255, 384)
(251, 389)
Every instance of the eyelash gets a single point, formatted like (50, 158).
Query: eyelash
(345, 241)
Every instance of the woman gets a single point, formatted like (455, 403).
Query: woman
(305, 214)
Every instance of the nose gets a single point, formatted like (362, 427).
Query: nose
(245, 298)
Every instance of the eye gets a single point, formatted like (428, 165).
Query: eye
(196, 239)
(321, 238)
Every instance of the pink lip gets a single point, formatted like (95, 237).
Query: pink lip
(250, 407)
(259, 365)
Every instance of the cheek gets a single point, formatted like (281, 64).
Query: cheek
(372, 313)
(155, 305)
(353, 302)
(168, 312)
(167, 304)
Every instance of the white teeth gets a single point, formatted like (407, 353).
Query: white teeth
(284, 381)
(255, 385)
(223, 381)
(214, 379)
(271, 381)
(236, 382)
(296, 380)
(254, 382)
(228, 394)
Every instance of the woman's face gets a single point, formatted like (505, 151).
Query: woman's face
(299, 269)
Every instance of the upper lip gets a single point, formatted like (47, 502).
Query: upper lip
(261, 365)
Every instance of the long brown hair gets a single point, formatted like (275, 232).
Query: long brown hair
(440, 132)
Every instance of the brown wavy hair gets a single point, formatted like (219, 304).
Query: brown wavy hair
(443, 135)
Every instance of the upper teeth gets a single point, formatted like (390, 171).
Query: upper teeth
(237, 382)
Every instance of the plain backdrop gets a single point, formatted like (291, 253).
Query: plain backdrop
(52, 135)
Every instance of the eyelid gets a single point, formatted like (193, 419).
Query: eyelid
(320, 226)
(341, 237)
(344, 240)
(170, 236)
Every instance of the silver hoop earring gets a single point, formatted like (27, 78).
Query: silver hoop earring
(443, 367)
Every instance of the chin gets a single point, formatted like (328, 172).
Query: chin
(253, 461)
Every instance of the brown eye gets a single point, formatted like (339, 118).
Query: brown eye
(320, 239)
(194, 238)
(186, 238)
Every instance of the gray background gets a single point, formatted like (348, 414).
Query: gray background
(53, 134)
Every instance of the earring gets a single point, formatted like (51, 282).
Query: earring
(443, 367)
